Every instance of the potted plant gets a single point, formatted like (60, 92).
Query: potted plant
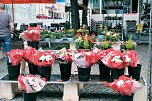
(104, 45)
(70, 34)
(15, 57)
(47, 35)
(32, 36)
(31, 85)
(128, 45)
(84, 41)
(125, 87)
(103, 69)
(58, 36)
(63, 57)
(84, 61)
(102, 31)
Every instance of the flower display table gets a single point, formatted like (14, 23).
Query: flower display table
(8, 88)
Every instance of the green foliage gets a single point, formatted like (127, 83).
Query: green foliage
(48, 34)
(86, 42)
(103, 30)
(104, 45)
(128, 45)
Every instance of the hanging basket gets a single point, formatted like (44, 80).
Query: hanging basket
(134, 72)
(65, 70)
(84, 74)
(29, 96)
(104, 71)
(13, 71)
(33, 44)
(45, 72)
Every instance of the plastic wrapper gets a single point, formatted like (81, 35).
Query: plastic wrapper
(124, 85)
(65, 55)
(114, 59)
(32, 34)
(43, 59)
(31, 83)
(134, 58)
(28, 53)
(85, 59)
(102, 53)
(15, 56)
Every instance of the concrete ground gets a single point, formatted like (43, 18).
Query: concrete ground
(54, 92)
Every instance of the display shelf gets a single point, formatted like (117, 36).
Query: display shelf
(94, 79)
(113, 9)
(55, 78)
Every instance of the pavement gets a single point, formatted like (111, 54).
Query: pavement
(90, 92)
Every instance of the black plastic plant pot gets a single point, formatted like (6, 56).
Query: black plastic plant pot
(45, 72)
(135, 72)
(33, 44)
(104, 71)
(29, 96)
(65, 70)
(33, 69)
(13, 71)
(116, 73)
(125, 98)
(84, 74)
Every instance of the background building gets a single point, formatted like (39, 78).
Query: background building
(22, 11)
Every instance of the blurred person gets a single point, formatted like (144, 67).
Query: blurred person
(6, 29)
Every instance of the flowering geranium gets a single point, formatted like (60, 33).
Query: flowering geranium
(32, 34)
(124, 85)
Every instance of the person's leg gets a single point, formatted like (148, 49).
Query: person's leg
(7, 42)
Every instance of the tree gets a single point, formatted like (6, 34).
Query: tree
(75, 14)
(84, 13)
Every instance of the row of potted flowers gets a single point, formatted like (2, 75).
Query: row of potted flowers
(110, 57)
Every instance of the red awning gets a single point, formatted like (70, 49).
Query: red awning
(26, 1)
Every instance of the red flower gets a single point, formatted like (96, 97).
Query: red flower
(93, 35)
(78, 34)
(89, 38)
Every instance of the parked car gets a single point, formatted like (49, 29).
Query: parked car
(42, 16)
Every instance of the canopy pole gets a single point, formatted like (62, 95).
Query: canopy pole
(12, 11)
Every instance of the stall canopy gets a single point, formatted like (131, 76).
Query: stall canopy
(26, 1)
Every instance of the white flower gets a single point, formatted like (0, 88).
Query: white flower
(32, 31)
(116, 59)
(48, 57)
(42, 58)
(127, 58)
(119, 83)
